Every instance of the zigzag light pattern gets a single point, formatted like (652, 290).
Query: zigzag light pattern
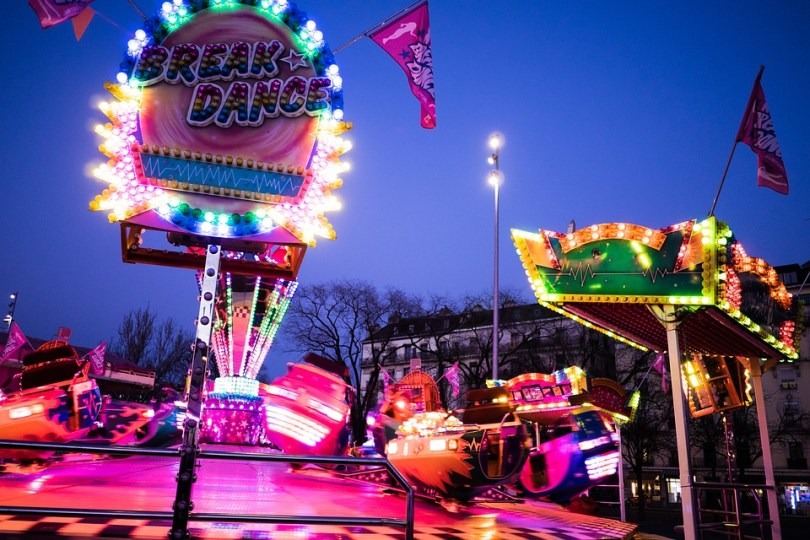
(221, 176)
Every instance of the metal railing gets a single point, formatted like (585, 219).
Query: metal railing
(407, 523)
(732, 510)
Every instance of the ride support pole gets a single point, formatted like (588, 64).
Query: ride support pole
(189, 448)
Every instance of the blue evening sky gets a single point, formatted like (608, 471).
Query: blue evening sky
(612, 111)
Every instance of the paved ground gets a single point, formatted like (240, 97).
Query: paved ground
(244, 487)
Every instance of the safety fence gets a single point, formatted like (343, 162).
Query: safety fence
(407, 523)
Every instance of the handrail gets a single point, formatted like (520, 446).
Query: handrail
(407, 523)
(732, 520)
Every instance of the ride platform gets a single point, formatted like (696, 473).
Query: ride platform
(147, 484)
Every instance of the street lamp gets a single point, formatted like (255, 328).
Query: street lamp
(9, 318)
(495, 179)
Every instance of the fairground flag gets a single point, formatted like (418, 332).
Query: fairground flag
(53, 12)
(452, 375)
(660, 366)
(757, 131)
(407, 40)
(96, 357)
(15, 341)
(386, 380)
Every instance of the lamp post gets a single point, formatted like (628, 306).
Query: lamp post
(495, 179)
(12, 305)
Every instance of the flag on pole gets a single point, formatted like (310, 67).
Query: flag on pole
(386, 380)
(407, 40)
(757, 131)
(53, 12)
(660, 366)
(14, 342)
(452, 375)
(96, 358)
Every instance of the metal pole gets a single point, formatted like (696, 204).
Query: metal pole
(495, 294)
(12, 306)
(670, 323)
(622, 506)
(767, 459)
(495, 179)
(189, 448)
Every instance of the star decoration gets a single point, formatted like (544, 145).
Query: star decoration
(295, 60)
(405, 54)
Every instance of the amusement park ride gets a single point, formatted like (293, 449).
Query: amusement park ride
(536, 435)
(225, 140)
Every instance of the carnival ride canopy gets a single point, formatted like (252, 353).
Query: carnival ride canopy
(622, 279)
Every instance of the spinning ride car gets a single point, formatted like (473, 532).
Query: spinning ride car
(57, 401)
(460, 458)
(416, 392)
(575, 443)
(306, 411)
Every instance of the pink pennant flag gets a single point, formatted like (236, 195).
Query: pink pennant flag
(660, 366)
(757, 131)
(96, 358)
(81, 22)
(452, 375)
(53, 12)
(15, 341)
(407, 40)
(386, 380)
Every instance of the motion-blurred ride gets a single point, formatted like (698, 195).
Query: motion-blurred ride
(57, 401)
(540, 435)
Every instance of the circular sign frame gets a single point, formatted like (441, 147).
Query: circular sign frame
(227, 123)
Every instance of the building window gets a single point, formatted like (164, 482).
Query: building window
(444, 347)
(787, 378)
(674, 490)
(786, 374)
(409, 352)
(795, 450)
(789, 278)
(791, 409)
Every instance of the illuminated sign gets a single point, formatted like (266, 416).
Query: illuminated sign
(698, 266)
(227, 122)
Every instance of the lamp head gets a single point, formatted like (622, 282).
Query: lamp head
(496, 141)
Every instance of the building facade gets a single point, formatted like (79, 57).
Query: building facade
(531, 338)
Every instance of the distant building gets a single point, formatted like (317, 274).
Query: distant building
(121, 379)
(789, 388)
(532, 338)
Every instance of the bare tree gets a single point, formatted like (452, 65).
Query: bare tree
(708, 433)
(649, 435)
(158, 345)
(333, 319)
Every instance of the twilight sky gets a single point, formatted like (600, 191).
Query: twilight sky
(612, 111)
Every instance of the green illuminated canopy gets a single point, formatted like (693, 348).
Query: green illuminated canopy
(614, 277)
